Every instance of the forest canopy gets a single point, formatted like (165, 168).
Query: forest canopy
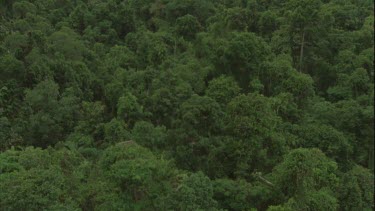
(187, 105)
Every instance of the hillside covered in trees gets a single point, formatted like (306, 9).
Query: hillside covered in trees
(187, 105)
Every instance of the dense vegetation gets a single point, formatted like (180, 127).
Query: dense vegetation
(186, 105)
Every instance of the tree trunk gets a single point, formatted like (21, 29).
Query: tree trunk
(301, 52)
(371, 160)
(371, 156)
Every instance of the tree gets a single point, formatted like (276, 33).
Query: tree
(66, 42)
(81, 18)
(168, 92)
(233, 194)
(351, 86)
(153, 49)
(119, 57)
(36, 179)
(302, 17)
(300, 85)
(115, 131)
(91, 119)
(136, 177)
(239, 19)
(316, 200)
(326, 138)
(304, 171)
(48, 113)
(253, 123)
(194, 193)
(128, 108)
(187, 26)
(11, 69)
(194, 72)
(150, 136)
(251, 115)
(200, 9)
(202, 114)
(223, 89)
(357, 189)
(22, 8)
(245, 56)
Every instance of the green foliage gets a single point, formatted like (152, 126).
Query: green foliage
(202, 9)
(66, 42)
(300, 86)
(194, 193)
(202, 114)
(233, 195)
(128, 108)
(316, 200)
(146, 134)
(223, 89)
(186, 105)
(48, 114)
(245, 56)
(332, 142)
(40, 180)
(251, 115)
(22, 8)
(305, 170)
(115, 131)
(187, 26)
(136, 174)
(358, 189)
(11, 68)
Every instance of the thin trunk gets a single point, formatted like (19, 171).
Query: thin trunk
(264, 180)
(371, 154)
(371, 159)
(175, 47)
(301, 52)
